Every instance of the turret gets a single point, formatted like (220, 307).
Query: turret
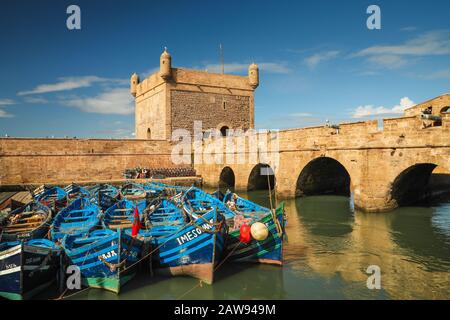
(165, 65)
(253, 75)
(134, 81)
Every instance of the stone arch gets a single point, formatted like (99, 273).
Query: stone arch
(224, 131)
(227, 178)
(323, 175)
(411, 185)
(445, 109)
(257, 179)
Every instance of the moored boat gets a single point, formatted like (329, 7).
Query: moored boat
(55, 198)
(75, 191)
(27, 222)
(104, 195)
(133, 191)
(78, 218)
(107, 259)
(269, 248)
(27, 268)
(207, 231)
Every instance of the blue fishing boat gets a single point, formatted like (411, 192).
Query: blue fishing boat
(121, 214)
(27, 222)
(204, 236)
(107, 258)
(75, 191)
(268, 249)
(133, 191)
(104, 195)
(55, 198)
(78, 218)
(27, 268)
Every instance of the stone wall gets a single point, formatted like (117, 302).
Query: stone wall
(66, 160)
(213, 109)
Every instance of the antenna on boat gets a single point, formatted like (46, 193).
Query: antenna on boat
(221, 58)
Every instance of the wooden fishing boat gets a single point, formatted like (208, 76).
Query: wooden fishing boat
(54, 198)
(107, 258)
(269, 250)
(104, 195)
(204, 237)
(27, 268)
(78, 218)
(133, 191)
(28, 222)
(75, 191)
(121, 214)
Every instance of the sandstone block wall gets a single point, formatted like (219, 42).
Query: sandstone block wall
(67, 160)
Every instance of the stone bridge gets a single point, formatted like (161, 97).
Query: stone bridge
(382, 168)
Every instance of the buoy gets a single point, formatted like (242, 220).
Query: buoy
(259, 231)
(244, 233)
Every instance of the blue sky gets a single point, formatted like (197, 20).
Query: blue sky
(317, 59)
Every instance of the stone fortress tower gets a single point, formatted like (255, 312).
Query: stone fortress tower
(174, 98)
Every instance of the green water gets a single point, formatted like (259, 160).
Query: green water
(328, 251)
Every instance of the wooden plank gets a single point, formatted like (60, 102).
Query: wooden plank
(116, 226)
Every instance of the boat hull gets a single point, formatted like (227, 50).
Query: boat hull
(109, 263)
(192, 251)
(26, 270)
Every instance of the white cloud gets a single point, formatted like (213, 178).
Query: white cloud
(409, 29)
(36, 100)
(113, 101)
(442, 74)
(301, 115)
(371, 110)
(270, 67)
(7, 102)
(428, 44)
(317, 58)
(4, 114)
(70, 83)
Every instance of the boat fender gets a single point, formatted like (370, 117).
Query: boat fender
(259, 231)
(244, 233)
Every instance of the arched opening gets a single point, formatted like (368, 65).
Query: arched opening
(445, 109)
(149, 134)
(227, 179)
(323, 176)
(224, 131)
(411, 185)
(261, 177)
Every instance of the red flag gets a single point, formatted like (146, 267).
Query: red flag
(136, 223)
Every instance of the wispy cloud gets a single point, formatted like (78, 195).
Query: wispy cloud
(270, 67)
(392, 56)
(441, 74)
(36, 100)
(409, 29)
(70, 83)
(4, 114)
(315, 59)
(113, 101)
(371, 110)
(7, 102)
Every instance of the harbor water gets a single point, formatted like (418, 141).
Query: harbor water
(328, 250)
